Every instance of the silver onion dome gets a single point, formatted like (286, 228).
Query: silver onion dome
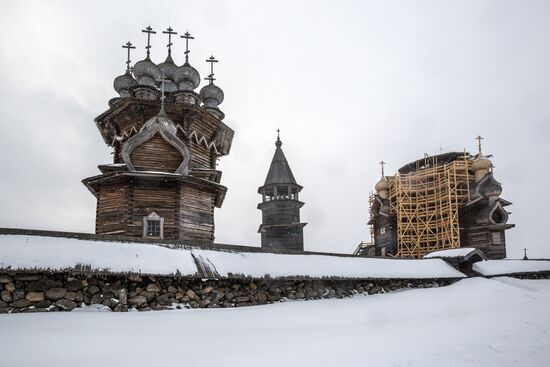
(211, 95)
(187, 78)
(123, 83)
(170, 71)
(147, 72)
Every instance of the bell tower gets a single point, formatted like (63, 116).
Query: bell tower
(280, 206)
(166, 140)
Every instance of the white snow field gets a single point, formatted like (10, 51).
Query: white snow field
(496, 322)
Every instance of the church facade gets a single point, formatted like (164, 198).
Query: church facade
(166, 140)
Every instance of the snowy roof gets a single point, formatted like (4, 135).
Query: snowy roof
(502, 267)
(455, 252)
(54, 253)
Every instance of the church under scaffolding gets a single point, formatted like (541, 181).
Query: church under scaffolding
(438, 202)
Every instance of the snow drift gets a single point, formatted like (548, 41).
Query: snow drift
(502, 267)
(20, 252)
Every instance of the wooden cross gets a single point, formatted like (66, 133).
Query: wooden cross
(210, 77)
(382, 163)
(128, 46)
(278, 131)
(524, 254)
(169, 31)
(162, 96)
(479, 139)
(149, 31)
(187, 37)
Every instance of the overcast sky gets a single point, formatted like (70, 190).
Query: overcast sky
(349, 83)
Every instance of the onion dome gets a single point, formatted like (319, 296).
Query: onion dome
(211, 95)
(187, 78)
(147, 72)
(123, 83)
(169, 70)
(481, 163)
(481, 167)
(490, 187)
(382, 185)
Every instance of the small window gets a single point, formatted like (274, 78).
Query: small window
(382, 230)
(497, 238)
(153, 226)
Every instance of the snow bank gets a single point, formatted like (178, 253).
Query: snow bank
(455, 252)
(36, 252)
(56, 253)
(318, 266)
(500, 267)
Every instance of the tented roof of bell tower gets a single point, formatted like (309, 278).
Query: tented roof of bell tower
(279, 170)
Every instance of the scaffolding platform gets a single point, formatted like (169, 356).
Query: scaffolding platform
(426, 203)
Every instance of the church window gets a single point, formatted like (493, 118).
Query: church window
(498, 216)
(153, 226)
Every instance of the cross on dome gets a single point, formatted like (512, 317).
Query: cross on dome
(162, 96)
(149, 31)
(382, 163)
(128, 46)
(278, 143)
(169, 31)
(187, 37)
(479, 139)
(210, 77)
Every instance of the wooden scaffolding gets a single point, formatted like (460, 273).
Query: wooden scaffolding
(426, 203)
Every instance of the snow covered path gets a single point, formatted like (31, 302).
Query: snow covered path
(475, 322)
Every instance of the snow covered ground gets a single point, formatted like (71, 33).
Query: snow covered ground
(37, 252)
(501, 267)
(475, 322)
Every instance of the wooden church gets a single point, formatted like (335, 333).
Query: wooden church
(166, 140)
(440, 202)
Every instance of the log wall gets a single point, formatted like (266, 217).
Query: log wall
(111, 210)
(196, 214)
(156, 154)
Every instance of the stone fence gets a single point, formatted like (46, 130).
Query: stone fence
(76, 273)
(63, 291)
